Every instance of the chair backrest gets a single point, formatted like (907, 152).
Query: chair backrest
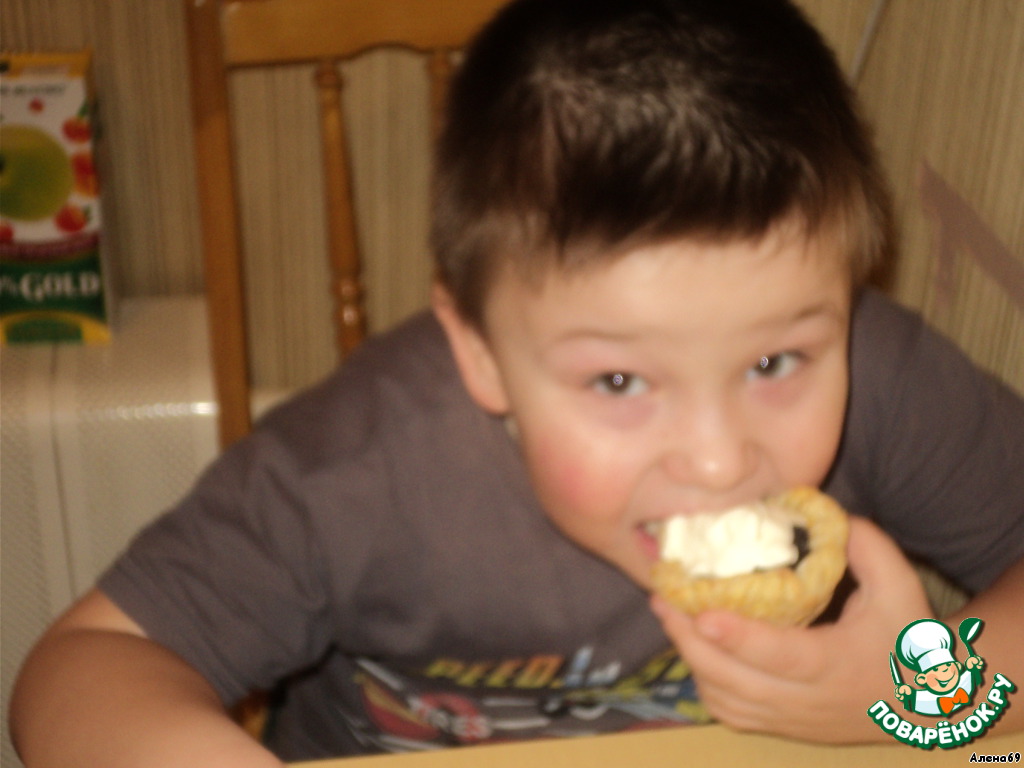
(226, 35)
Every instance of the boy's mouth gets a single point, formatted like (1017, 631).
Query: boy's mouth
(649, 536)
(742, 539)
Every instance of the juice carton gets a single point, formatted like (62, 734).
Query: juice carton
(52, 284)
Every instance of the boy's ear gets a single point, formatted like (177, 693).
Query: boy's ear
(473, 356)
(919, 678)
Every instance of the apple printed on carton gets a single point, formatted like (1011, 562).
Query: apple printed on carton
(46, 160)
(51, 277)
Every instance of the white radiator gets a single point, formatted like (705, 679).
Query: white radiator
(96, 441)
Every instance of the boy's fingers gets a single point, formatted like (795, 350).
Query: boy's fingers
(705, 657)
(779, 651)
(714, 671)
(714, 635)
(677, 625)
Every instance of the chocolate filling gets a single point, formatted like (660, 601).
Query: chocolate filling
(802, 541)
(801, 538)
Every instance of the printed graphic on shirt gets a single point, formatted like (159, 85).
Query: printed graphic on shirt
(452, 702)
(945, 686)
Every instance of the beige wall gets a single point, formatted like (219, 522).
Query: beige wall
(945, 86)
(941, 81)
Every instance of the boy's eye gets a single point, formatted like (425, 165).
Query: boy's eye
(618, 383)
(775, 366)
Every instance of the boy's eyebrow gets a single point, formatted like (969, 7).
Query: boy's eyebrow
(827, 310)
(589, 334)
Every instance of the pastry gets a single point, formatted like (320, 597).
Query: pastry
(778, 560)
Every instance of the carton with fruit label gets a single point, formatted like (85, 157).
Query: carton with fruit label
(52, 282)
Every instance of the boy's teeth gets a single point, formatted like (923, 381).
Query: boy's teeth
(654, 527)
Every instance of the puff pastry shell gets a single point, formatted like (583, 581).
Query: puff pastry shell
(785, 596)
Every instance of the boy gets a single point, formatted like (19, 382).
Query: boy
(653, 219)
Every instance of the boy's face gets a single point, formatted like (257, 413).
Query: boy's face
(683, 377)
(940, 679)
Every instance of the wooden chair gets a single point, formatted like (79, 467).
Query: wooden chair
(227, 35)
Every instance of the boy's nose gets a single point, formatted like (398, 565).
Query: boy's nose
(710, 450)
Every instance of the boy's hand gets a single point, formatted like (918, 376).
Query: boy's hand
(809, 683)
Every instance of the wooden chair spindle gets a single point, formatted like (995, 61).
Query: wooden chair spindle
(343, 240)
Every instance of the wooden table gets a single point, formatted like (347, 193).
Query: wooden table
(709, 745)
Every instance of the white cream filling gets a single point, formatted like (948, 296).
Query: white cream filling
(721, 544)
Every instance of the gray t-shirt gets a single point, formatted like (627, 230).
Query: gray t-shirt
(376, 546)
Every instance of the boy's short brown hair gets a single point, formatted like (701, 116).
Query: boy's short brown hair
(577, 129)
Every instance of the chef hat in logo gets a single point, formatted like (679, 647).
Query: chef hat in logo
(924, 644)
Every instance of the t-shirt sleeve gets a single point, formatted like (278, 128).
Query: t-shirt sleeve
(228, 579)
(934, 447)
(267, 565)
